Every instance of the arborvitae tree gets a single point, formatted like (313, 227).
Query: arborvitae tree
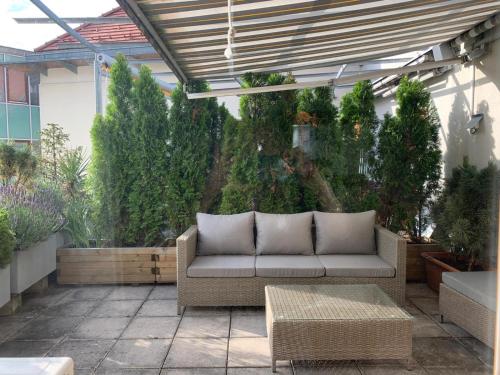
(111, 177)
(409, 166)
(189, 156)
(148, 162)
(241, 190)
(358, 123)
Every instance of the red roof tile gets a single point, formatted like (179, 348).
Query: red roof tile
(100, 33)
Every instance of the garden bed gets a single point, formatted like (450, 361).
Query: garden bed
(118, 265)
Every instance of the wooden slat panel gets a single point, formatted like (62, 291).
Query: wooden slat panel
(105, 258)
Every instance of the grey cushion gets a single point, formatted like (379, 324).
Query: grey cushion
(356, 266)
(284, 234)
(478, 286)
(226, 234)
(342, 233)
(222, 266)
(288, 266)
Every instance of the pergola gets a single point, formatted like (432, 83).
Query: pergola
(220, 40)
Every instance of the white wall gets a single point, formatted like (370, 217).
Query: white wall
(68, 99)
(452, 96)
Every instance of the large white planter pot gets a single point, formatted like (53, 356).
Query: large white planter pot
(4, 285)
(33, 264)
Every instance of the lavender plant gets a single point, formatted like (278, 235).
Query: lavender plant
(33, 214)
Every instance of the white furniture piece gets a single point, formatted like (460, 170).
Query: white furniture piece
(37, 366)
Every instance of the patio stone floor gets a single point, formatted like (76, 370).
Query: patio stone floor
(134, 330)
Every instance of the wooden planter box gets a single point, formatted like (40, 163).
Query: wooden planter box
(117, 265)
(415, 264)
(434, 267)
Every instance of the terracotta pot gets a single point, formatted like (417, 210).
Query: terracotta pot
(415, 263)
(434, 267)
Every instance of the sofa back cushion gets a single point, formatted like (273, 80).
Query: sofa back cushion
(284, 234)
(226, 234)
(345, 233)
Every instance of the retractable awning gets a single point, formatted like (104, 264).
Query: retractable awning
(287, 35)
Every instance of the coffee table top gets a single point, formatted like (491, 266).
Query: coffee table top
(331, 302)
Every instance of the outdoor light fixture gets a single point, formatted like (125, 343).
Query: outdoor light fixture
(228, 52)
(473, 124)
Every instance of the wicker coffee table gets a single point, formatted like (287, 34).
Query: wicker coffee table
(335, 322)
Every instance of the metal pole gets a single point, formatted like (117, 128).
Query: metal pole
(98, 86)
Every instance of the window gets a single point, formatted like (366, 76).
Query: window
(2, 84)
(34, 82)
(17, 86)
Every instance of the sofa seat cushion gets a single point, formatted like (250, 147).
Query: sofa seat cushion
(478, 286)
(356, 266)
(226, 234)
(222, 266)
(288, 266)
(345, 233)
(284, 234)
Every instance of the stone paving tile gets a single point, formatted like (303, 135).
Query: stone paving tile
(248, 324)
(426, 327)
(9, 325)
(88, 293)
(391, 370)
(85, 353)
(430, 306)
(107, 309)
(480, 350)
(197, 352)
(456, 371)
(263, 371)
(419, 290)
(250, 352)
(163, 292)
(204, 326)
(70, 308)
(194, 371)
(126, 371)
(158, 307)
(454, 330)
(158, 327)
(100, 328)
(443, 352)
(138, 353)
(26, 348)
(322, 368)
(44, 327)
(130, 292)
(204, 311)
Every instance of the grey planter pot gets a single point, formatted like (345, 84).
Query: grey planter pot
(4, 285)
(33, 264)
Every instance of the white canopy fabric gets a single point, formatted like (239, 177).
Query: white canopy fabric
(289, 35)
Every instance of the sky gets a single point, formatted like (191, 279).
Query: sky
(31, 36)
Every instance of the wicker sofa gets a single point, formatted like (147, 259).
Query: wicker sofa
(468, 299)
(239, 280)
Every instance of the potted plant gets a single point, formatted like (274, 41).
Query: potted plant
(464, 217)
(7, 242)
(408, 170)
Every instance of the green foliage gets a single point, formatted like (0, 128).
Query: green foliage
(358, 124)
(409, 160)
(7, 239)
(72, 172)
(111, 178)
(78, 221)
(149, 164)
(17, 165)
(53, 139)
(465, 210)
(189, 155)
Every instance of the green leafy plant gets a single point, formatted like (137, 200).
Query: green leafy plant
(409, 160)
(7, 239)
(465, 212)
(17, 165)
(72, 172)
(53, 141)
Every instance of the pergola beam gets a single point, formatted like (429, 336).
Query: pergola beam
(93, 20)
(323, 83)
